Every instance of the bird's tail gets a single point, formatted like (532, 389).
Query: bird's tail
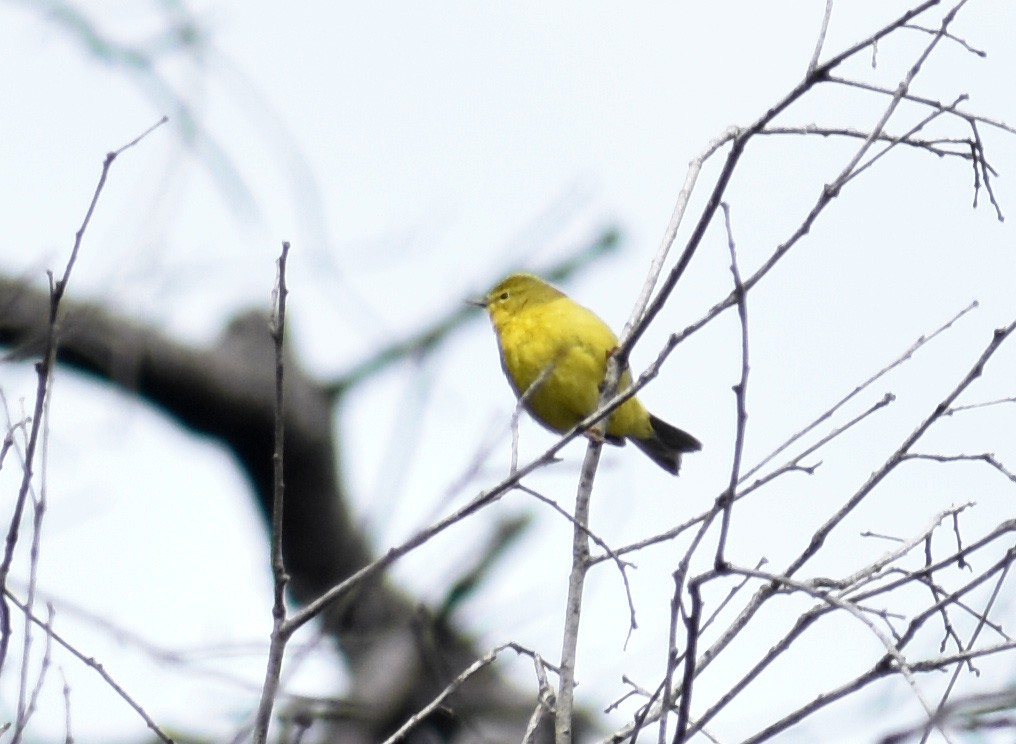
(666, 445)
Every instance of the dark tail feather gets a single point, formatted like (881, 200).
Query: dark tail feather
(666, 446)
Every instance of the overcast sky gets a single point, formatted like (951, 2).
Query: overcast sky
(411, 153)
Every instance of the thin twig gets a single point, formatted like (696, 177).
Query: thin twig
(24, 714)
(820, 41)
(945, 147)
(622, 566)
(985, 457)
(277, 647)
(693, 625)
(68, 738)
(44, 371)
(94, 665)
(985, 404)
(484, 661)
(564, 717)
(667, 687)
(969, 646)
(546, 700)
(740, 396)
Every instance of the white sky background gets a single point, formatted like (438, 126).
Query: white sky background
(410, 153)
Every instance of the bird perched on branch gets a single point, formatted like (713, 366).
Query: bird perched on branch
(554, 353)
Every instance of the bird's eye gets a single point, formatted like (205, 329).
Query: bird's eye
(503, 296)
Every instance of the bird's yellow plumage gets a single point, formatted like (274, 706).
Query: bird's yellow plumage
(554, 353)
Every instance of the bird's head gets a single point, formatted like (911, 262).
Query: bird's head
(513, 293)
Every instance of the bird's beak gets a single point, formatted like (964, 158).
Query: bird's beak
(477, 301)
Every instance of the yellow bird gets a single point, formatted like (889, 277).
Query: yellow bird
(558, 348)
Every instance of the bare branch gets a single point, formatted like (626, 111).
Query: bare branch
(280, 579)
(92, 664)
